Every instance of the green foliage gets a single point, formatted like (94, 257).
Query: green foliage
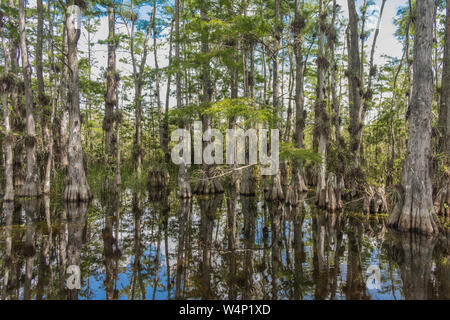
(289, 152)
(241, 107)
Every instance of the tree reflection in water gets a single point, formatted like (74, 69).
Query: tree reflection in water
(136, 245)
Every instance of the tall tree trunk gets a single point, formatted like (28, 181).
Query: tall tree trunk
(247, 181)
(372, 67)
(335, 102)
(298, 181)
(111, 107)
(5, 89)
(355, 127)
(183, 180)
(64, 97)
(444, 124)
(43, 101)
(287, 131)
(17, 107)
(321, 113)
(276, 192)
(234, 88)
(368, 93)
(165, 139)
(77, 188)
(32, 186)
(409, 60)
(118, 178)
(390, 174)
(157, 81)
(416, 212)
(208, 184)
(111, 87)
(138, 76)
(49, 124)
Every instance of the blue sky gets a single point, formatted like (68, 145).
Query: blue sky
(387, 44)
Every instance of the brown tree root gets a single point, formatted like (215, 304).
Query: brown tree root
(401, 217)
(77, 193)
(442, 201)
(311, 174)
(19, 177)
(8, 195)
(31, 189)
(208, 185)
(330, 198)
(295, 189)
(274, 192)
(375, 200)
(248, 183)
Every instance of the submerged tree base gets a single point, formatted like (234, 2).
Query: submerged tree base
(442, 202)
(375, 200)
(77, 193)
(296, 188)
(330, 197)
(30, 189)
(247, 185)
(8, 195)
(208, 186)
(418, 218)
(274, 192)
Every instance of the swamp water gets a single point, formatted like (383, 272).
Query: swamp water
(221, 247)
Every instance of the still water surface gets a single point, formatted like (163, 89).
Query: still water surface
(222, 247)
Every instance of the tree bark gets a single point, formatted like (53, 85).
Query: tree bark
(416, 211)
(64, 120)
(138, 76)
(43, 101)
(247, 184)
(321, 113)
(17, 107)
(444, 123)
(276, 192)
(335, 103)
(354, 75)
(5, 88)
(183, 179)
(208, 184)
(32, 186)
(298, 181)
(77, 188)
(111, 88)
(157, 82)
(390, 178)
(165, 133)
(49, 127)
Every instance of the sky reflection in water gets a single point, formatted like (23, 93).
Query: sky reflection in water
(222, 247)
